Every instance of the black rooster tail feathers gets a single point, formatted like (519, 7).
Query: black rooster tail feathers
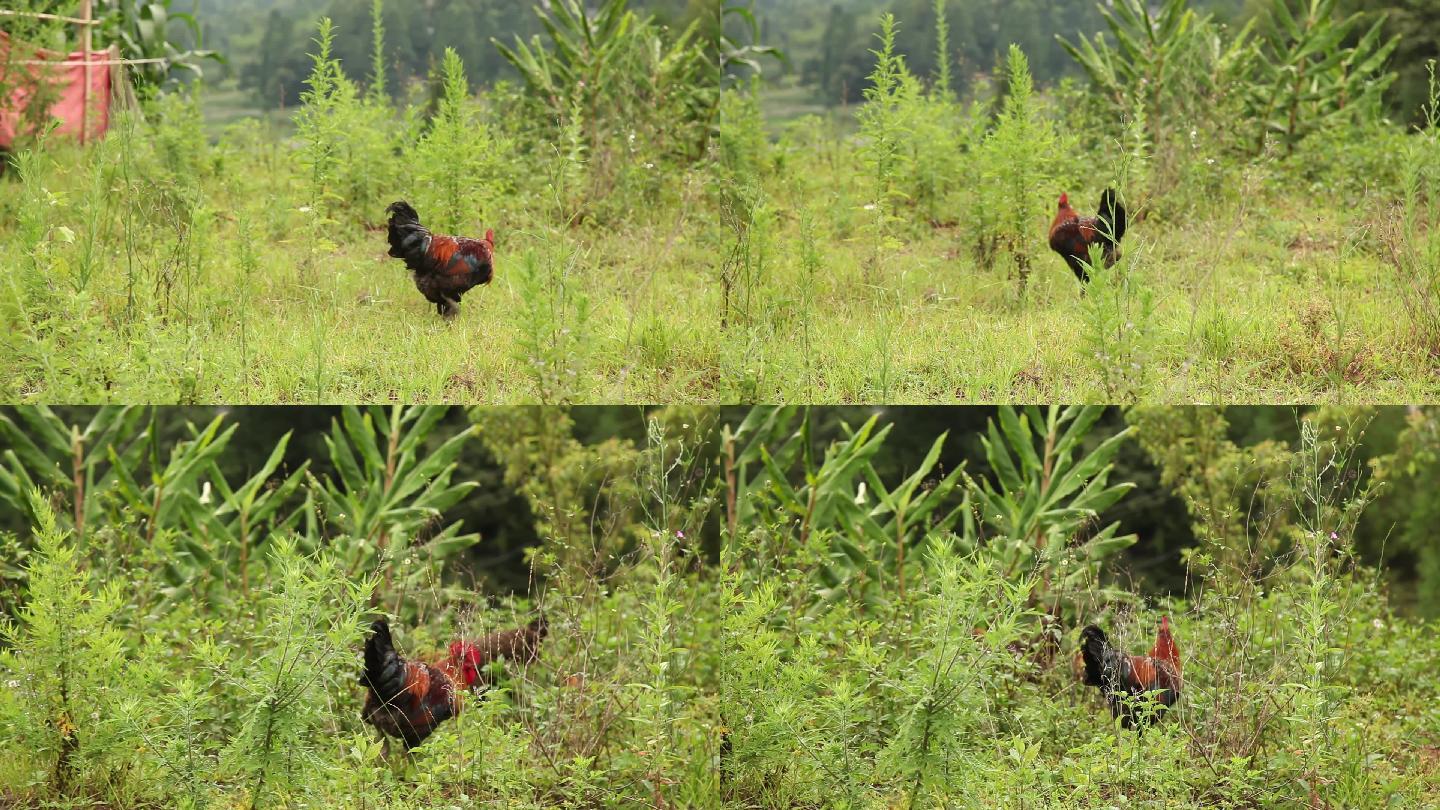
(384, 670)
(1094, 648)
(407, 236)
(1112, 213)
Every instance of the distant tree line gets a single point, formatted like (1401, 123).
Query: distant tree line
(269, 42)
(829, 41)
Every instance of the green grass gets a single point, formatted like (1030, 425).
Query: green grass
(226, 103)
(1279, 296)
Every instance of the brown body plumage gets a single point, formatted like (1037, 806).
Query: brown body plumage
(1124, 679)
(405, 699)
(1071, 235)
(444, 267)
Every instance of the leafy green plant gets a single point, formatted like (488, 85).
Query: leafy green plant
(741, 48)
(206, 535)
(1166, 64)
(1118, 311)
(852, 529)
(1037, 516)
(460, 166)
(1315, 67)
(65, 627)
(891, 86)
(301, 655)
(1410, 233)
(1018, 156)
(320, 122)
(553, 345)
(582, 496)
(390, 490)
(631, 81)
(143, 29)
(350, 139)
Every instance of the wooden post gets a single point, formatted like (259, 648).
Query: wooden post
(85, 11)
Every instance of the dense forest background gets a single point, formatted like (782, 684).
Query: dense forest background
(1392, 535)
(828, 42)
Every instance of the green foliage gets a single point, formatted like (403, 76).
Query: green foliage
(583, 496)
(1315, 68)
(641, 94)
(891, 86)
(1232, 492)
(850, 528)
(553, 345)
(1119, 310)
(1168, 66)
(1412, 468)
(206, 535)
(1037, 518)
(320, 123)
(348, 140)
(313, 619)
(742, 49)
(143, 29)
(1411, 234)
(1018, 157)
(389, 496)
(460, 167)
(911, 137)
(864, 706)
(65, 628)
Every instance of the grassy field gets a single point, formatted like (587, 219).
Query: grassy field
(893, 252)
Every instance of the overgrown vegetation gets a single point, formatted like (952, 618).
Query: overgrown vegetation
(662, 237)
(743, 613)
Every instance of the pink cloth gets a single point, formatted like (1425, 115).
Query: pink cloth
(68, 77)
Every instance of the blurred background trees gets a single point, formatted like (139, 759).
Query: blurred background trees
(828, 41)
(173, 469)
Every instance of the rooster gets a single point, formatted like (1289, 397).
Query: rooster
(444, 267)
(1124, 678)
(405, 699)
(409, 699)
(520, 646)
(1071, 235)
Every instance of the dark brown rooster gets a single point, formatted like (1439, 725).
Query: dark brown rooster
(409, 699)
(1071, 235)
(444, 267)
(1126, 680)
(519, 646)
(405, 699)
